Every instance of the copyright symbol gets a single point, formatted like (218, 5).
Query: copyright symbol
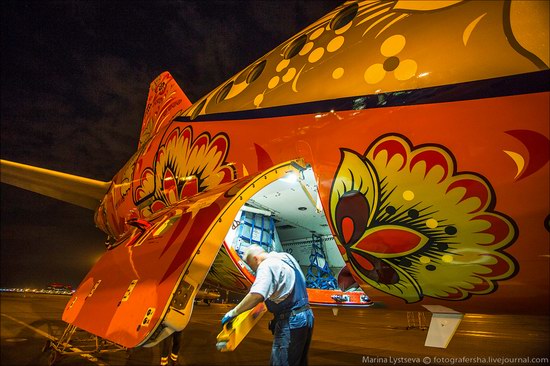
(427, 360)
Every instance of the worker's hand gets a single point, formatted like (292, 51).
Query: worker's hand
(230, 315)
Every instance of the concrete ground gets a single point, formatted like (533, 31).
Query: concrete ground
(371, 336)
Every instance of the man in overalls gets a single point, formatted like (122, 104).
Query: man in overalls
(281, 284)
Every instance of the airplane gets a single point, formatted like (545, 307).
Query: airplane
(396, 148)
(207, 296)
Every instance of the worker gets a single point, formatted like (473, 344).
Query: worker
(175, 341)
(281, 284)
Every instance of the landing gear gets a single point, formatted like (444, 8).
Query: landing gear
(75, 341)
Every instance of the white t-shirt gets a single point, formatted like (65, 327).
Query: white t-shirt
(274, 278)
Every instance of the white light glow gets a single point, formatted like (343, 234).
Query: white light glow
(290, 178)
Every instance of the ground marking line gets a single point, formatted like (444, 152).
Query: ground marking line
(54, 339)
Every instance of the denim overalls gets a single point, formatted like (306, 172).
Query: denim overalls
(292, 325)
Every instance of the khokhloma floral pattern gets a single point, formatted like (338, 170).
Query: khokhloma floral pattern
(412, 226)
(183, 166)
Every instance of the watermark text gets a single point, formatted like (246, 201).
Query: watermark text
(437, 360)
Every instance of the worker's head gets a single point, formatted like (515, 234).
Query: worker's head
(254, 255)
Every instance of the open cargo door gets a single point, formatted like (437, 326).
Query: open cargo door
(287, 216)
(142, 290)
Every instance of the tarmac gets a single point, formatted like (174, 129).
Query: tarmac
(369, 336)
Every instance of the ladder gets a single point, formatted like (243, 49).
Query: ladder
(318, 276)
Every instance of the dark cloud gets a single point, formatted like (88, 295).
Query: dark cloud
(75, 77)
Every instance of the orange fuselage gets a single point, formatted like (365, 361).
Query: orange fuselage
(428, 132)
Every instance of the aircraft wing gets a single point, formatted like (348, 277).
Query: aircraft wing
(143, 289)
(73, 189)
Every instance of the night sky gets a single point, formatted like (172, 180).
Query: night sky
(75, 77)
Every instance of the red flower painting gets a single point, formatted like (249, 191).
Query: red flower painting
(412, 226)
(183, 166)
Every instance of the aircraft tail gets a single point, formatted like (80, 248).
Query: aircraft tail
(73, 189)
(165, 101)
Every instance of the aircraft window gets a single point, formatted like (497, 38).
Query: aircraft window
(391, 63)
(256, 72)
(295, 47)
(344, 16)
(224, 91)
(450, 230)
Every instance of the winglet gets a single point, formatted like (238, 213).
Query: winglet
(165, 101)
